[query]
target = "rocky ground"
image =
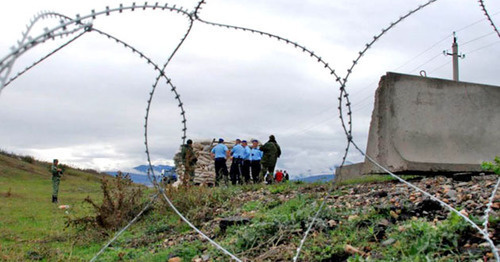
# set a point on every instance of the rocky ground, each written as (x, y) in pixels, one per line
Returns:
(375, 221)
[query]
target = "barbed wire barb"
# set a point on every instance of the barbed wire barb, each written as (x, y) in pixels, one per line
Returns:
(488, 206)
(483, 7)
(68, 26)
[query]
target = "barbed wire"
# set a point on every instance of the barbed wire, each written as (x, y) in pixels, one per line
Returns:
(488, 206)
(356, 104)
(324, 63)
(193, 16)
(7, 61)
(6, 71)
(149, 61)
(483, 7)
(344, 94)
(44, 57)
(153, 178)
(6, 67)
(481, 231)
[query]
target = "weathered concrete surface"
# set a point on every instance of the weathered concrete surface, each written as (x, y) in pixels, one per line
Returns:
(349, 172)
(433, 125)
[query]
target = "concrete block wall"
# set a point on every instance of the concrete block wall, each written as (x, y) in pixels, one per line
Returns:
(422, 124)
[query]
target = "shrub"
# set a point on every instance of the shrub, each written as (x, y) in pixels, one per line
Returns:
(492, 166)
(121, 203)
(28, 159)
(198, 203)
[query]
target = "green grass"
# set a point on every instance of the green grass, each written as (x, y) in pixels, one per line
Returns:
(31, 227)
(29, 223)
(367, 179)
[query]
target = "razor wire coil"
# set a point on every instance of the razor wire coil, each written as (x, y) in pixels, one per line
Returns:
(7, 62)
(485, 11)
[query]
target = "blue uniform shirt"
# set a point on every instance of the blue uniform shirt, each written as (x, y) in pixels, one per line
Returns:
(237, 151)
(255, 154)
(220, 151)
(246, 153)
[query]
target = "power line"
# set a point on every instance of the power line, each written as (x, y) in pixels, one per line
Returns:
(423, 52)
(439, 67)
(483, 47)
(426, 62)
(476, 22)
(477, 38)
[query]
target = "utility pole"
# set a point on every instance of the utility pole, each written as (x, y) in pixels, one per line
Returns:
(455, 55)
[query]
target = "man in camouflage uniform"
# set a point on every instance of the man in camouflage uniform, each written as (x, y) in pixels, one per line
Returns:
(271, 151)
(189, 160)
(56, 179)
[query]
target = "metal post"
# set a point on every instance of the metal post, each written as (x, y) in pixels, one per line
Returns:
(454, 50)
(455, 56)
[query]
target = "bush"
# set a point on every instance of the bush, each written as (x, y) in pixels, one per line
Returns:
(492, 166)
(121, 203)
(198, 203)
(28, 159)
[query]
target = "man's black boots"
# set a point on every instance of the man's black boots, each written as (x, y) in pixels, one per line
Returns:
(54, 199)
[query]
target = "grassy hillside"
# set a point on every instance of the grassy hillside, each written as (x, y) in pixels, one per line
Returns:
(374, 219)
(31, 227)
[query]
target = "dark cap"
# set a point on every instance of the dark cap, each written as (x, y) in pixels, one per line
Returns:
(272, 137)
(243, 141)
(255, 140)
(55, 160)
(189, 142)
(237, 139)
(221, 140)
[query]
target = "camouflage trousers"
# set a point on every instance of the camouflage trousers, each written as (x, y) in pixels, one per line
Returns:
(269, 170)
(55, 185)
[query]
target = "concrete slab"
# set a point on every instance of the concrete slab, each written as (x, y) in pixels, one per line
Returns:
(424, 124)
(348, 172)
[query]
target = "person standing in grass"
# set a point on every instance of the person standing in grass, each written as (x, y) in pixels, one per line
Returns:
(246, 162)
(237, 155)
(279, 176)
(189, 160)
(271, 151)
(219, 153)
(255, 157)
(56, 179)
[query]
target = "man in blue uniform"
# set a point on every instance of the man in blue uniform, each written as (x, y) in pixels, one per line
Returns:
(237, 154)
(255, 157)
(220, 152)
(245, 168)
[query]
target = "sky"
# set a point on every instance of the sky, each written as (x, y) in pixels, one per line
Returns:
(86, 104)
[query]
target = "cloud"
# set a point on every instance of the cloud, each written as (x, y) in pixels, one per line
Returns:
(86, 104)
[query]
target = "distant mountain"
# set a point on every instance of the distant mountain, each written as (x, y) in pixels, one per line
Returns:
(141, 176)
(156, 168)
(136, 178)
(314, 179)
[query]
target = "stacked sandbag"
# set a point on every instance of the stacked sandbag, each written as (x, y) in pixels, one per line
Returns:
(205, 169)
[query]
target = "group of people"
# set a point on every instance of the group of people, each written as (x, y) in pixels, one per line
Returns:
(281, 176)
(249, 163)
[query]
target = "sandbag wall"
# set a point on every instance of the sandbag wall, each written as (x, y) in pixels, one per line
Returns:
(205, 169)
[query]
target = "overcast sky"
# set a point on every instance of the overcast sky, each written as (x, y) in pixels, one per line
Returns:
(86, 104)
